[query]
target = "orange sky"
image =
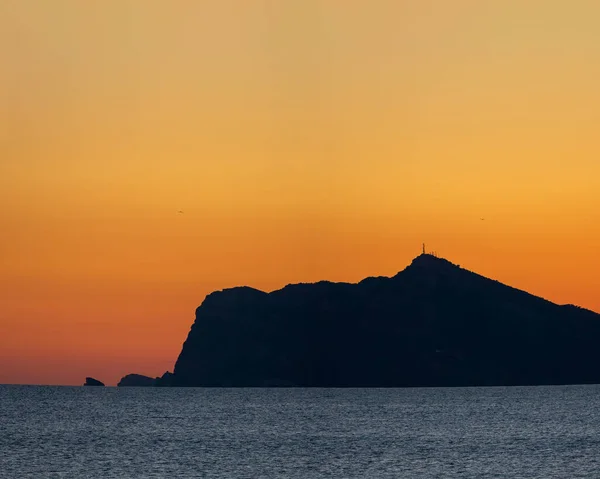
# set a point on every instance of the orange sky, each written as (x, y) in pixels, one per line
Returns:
(303, 141)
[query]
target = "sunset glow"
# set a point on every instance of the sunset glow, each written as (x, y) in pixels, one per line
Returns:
(152, 152)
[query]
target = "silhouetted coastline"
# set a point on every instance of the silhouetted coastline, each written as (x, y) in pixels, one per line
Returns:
(433, 324)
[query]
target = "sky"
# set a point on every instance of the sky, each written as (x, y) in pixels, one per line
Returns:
(302, 140)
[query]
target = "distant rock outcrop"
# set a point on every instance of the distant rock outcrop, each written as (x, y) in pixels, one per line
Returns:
(93, 382)
(165, 380)
(433, 324)
(136, 380)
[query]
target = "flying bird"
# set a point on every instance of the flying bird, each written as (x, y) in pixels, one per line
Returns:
(180, 212)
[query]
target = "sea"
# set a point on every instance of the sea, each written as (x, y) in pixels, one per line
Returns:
(501, 432)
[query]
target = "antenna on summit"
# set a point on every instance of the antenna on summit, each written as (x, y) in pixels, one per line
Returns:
(423, 248)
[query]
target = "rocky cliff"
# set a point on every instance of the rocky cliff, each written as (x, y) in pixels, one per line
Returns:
(433, 324)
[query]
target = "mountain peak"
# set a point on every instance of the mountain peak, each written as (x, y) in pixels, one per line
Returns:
(433, 324)
(431, 263)
(428, 258)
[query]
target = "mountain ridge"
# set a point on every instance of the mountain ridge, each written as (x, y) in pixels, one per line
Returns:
(433, 323)
(382, 277)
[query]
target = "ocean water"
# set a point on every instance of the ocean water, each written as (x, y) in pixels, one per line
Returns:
(520, 432)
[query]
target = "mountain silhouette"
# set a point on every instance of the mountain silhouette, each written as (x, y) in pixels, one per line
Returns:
(433, 324)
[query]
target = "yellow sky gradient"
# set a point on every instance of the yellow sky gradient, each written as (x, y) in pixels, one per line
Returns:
(303, 140)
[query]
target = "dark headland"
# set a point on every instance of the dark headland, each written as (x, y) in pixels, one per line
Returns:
(433, 324)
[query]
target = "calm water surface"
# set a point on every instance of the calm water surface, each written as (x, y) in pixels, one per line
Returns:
(538, 432)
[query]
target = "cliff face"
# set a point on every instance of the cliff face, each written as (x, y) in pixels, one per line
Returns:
(433, 324)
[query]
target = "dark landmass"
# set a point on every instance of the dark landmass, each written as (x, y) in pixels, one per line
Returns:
(93, 382)
(165, 380)
(433, 324)
(136, 380)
